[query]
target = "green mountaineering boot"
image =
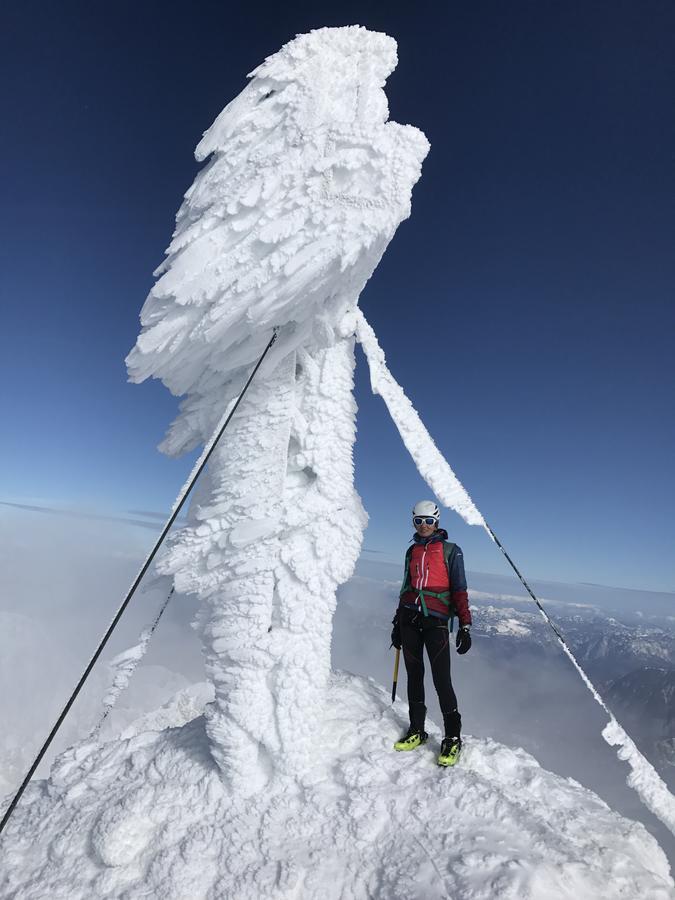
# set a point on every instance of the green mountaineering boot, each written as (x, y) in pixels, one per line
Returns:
(450, 750)
(411, 740)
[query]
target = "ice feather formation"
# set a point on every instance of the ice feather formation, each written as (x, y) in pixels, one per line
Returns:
(305, 186)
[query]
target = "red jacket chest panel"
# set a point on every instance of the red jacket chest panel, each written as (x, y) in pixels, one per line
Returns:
(428, 568)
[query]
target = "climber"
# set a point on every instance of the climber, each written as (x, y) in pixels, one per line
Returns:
(433, 590)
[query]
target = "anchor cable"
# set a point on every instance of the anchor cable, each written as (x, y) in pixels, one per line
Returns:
(180, 501)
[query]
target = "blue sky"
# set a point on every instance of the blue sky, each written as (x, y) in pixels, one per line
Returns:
(526, 306)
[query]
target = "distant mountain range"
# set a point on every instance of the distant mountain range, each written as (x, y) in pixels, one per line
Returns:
(645, 700)
(606, 647)
(624, 639)
(632, 664)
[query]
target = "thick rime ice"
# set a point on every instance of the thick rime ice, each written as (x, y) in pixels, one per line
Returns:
(149, 816)
(643, 778)
(280, 528)
(431, 464)
(306, 185)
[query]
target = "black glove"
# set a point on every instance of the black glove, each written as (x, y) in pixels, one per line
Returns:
(463, 641)
(396, 632)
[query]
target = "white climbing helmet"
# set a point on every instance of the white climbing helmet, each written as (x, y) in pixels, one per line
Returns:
(426, 508)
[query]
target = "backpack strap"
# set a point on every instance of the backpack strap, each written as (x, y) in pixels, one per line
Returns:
(406, 586)
(406, 574)
(448, 552)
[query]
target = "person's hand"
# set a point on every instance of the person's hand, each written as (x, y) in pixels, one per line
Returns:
(463, 641)
(396, 632)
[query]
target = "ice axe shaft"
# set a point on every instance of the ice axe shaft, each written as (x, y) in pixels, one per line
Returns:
(393, 687)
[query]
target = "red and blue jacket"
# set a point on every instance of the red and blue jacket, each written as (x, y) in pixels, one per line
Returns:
(427, 575)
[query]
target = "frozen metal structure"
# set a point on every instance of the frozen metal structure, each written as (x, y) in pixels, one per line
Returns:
(305, 185)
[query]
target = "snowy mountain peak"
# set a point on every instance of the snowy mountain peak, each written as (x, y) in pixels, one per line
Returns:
(150, 815)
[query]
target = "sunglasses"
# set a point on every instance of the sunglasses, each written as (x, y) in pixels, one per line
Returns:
(427, 520)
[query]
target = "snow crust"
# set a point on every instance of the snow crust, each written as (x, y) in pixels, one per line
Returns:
(150, 816)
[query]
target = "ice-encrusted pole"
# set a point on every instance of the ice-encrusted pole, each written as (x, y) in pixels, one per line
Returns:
(435, 470)
(306, 184)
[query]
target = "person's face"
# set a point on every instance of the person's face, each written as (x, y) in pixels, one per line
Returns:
(424, 529)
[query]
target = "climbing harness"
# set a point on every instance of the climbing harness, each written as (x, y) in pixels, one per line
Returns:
(443, 596)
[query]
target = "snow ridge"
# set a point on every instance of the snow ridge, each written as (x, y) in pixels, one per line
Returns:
(365, 822)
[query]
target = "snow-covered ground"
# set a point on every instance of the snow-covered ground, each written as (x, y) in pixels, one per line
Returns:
(500, 788)
(498, 825)
(149, 815)
(514, 688)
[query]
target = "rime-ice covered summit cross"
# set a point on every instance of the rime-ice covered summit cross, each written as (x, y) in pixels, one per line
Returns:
(305, 185)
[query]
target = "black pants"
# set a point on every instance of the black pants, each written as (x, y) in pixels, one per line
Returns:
(419, 631)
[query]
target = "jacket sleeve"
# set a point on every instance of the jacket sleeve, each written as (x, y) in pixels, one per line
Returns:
(459, 593)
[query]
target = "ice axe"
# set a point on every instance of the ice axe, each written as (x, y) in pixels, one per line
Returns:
(393, 687)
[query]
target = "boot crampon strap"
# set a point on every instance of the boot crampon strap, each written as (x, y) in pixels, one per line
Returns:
(411, 740)
(450, 750)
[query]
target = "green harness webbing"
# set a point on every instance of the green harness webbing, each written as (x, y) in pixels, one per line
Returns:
(448, 551)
